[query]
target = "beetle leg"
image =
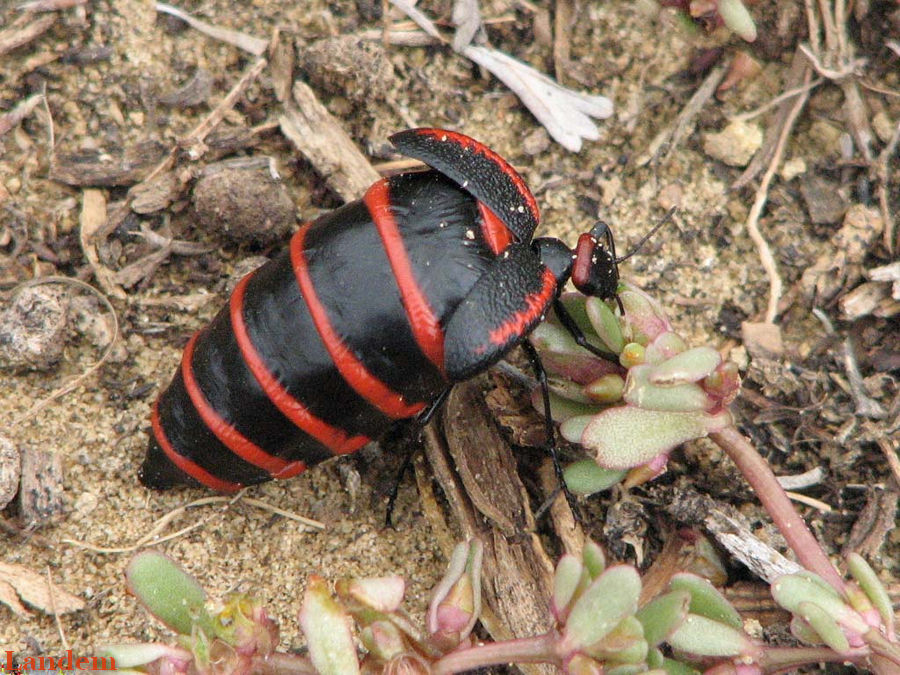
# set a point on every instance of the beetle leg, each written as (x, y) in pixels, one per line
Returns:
(420, 422)
(549, 429)
(578, 335)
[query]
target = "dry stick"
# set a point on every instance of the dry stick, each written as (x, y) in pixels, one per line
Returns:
(880, 169)
(674, 133)
(18, 35)
(309, 522)
(762, 193)
(759, 474)
(19, 113)
(211, 121)
(817, 504)
(784, 96)
(151, 539)
(69, 386)
(889, 450)
(249, 43)
(52, 597)
(157, 526)
(793, 80)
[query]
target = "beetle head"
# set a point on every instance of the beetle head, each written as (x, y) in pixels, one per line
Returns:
(595, 271)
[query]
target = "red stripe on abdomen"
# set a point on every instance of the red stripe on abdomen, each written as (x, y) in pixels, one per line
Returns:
(354, 372)
(230, 437)
(336, 440)
(422, 321)
(189, 467)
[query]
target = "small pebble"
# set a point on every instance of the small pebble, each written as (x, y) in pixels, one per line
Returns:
(735, 145)
(33, 329)
(10, 470)
(243, 202)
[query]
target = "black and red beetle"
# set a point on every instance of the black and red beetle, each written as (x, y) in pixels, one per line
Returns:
(368, 317)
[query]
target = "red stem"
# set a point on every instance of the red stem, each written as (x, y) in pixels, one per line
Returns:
(758, 473)
(538, 649)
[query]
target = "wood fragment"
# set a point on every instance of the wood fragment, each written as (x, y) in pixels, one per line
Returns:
(563, 20)
(876, 521)
(517, 573)
(10, 598)
(866, 406)
(497, 496)
(863, 300)
(41, 492)
(753, 600)
(567, 528)
(50, 5)
(143, 268)
(249, 43)
(321, 139)
(33, 589)
(399, 38)
(157, 194)
(21, 31)
(281, 57)
(740, 542)
(10, 470)
(93, 218)
(105, 168)
(19, 113)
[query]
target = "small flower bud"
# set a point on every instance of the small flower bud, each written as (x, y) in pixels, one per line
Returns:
(457, 598)
(632, 355)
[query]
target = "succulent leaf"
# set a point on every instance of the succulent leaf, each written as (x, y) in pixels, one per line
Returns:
(705, 637)
(608, 600)
(586, 477)
(627, 436)
(706, 600)
(662, 615)
(327, 629)
(168, 592)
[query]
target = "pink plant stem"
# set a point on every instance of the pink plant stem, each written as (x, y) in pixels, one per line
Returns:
(280, 663)
(783, 658)
(538, 649)
(758, 473)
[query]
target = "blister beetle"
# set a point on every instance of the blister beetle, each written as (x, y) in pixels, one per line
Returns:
(371, 313)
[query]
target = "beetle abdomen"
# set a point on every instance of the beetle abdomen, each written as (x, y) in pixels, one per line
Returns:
(325, 346)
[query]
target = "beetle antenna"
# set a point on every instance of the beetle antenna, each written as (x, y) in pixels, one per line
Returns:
(637, 247)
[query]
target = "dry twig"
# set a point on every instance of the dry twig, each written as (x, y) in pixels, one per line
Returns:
(768, 260)
(19, 113)
(323, 141)
(248, 43)
(21, 32)
(672, 135)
